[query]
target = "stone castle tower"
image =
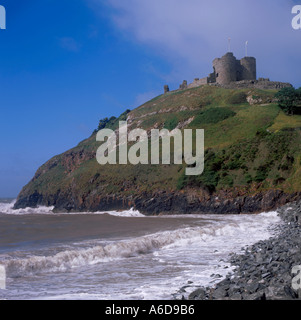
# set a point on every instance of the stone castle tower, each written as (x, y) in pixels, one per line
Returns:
(228, 69)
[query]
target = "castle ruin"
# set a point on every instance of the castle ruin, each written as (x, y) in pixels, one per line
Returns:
(228, 72)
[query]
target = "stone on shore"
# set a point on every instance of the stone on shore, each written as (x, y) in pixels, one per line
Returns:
(264, 270)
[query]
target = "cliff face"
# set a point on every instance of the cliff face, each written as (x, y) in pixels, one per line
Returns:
(252, 160)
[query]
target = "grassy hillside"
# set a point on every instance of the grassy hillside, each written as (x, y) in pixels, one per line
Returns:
(248, 147)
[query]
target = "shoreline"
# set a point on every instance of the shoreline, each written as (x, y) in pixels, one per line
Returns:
(264, 270)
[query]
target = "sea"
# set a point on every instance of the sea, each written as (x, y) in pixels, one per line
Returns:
(119, 255)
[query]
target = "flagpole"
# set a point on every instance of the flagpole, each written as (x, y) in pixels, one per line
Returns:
(229, 44)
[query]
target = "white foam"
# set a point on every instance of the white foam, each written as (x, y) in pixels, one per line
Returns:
(148, 267)
(127, 213)
(8, 208)
(178, 244)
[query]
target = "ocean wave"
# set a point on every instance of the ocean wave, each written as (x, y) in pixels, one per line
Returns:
(8, 208)
(126, 213)
(73, 258)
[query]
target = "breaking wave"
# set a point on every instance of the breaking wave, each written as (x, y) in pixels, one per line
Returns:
(73, 258)
(8, 208)
(126, 213)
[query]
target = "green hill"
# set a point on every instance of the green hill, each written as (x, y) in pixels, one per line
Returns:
(252, 160)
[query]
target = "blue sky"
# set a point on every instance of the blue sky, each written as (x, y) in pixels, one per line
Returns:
(64, 64)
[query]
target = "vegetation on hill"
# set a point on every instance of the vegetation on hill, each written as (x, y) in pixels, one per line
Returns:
(249, 147)
(289, 100)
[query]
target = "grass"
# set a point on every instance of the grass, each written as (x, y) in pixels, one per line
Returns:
(245, 124)
(212, 116)
(284, 121)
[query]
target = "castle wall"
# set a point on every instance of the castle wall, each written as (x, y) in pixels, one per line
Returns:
(198, 82)
(211, 78)
(264, 84)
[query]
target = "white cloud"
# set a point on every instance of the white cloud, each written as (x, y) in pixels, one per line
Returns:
(191, 33)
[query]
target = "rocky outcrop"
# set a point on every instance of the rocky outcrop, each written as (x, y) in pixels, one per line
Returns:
(190, 202)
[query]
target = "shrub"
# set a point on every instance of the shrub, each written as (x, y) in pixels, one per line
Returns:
(234, 164)
(289, 99)
(182, 181)
(124, 115)
(171, 123)
(237, 98)
(212, 115)
(111, 123)
(227, 181)
(209, 180)
(261, 174)
(248, 179)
